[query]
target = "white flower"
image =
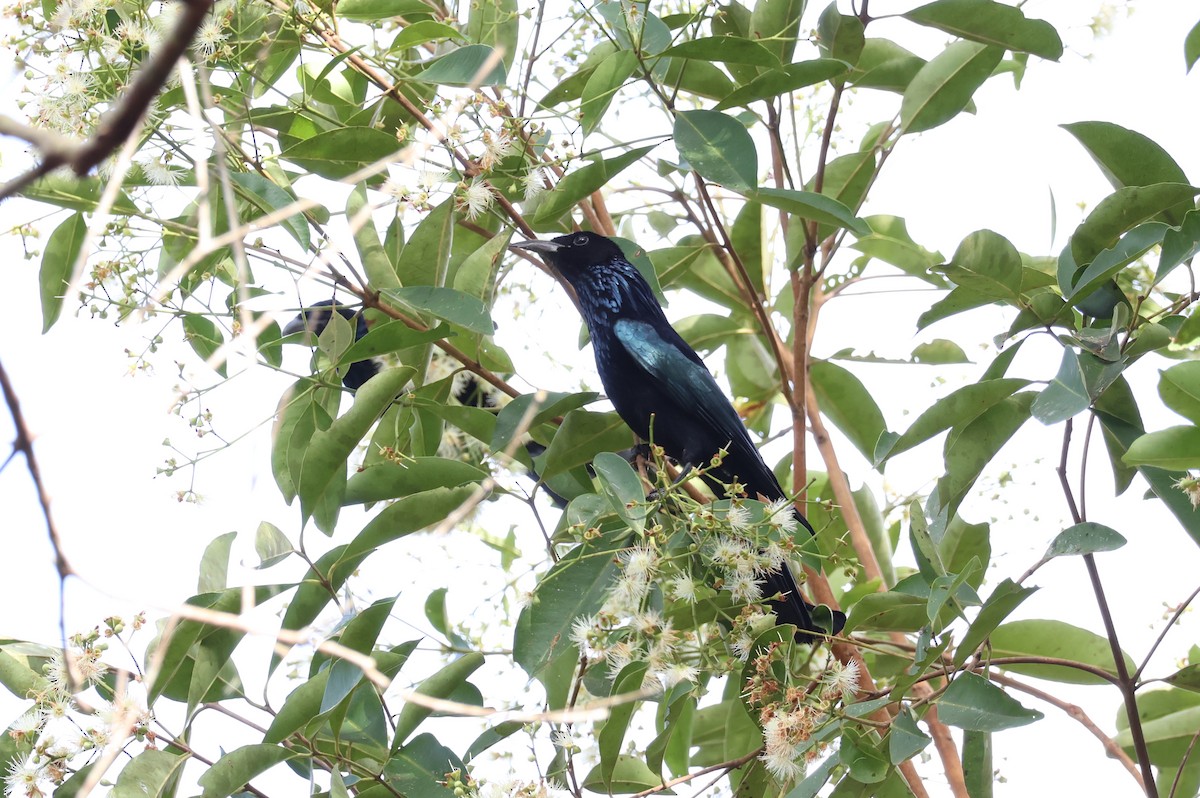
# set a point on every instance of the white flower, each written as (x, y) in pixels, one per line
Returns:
(431, 179)
(648, 622)
(561, 738)
(534, 182)
(782, 735)
(625, 596)
(742, 645)
(781, 513)
(771, 558)
(679, 672)
(840, 680)
(24, 778)
(683, 588)
(210, 37)
(640, 562)
(587, 636)
(619, 656)
(56, 673)
(475, 198)
(728, 552)
(738, 517)
(744, 587)
(160, 173)
(26, 726)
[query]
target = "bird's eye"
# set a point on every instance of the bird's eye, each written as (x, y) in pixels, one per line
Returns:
(580, 241)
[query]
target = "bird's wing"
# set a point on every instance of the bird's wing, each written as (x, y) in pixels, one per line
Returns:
(685, 379)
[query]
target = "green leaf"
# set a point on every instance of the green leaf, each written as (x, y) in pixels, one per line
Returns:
(840, 36)
(465, 67)
(906, 739)
(622, 487)
(885, 65)
(62, 248)
(726, 49)
(973, 703)
(391, 480)
(233, 770)
(340, 152)
(75, 193)
(267, 197)
(602, 87)
(582, 182)
(1187, 678)
(775, 23)
(1085, 538)
(718, 147)
(369, 10)
(378, 267)
(1173, 449)
(974, 446)
(1106, 264)
(848, 404)
(1179, 245)
(1045, 638)
(575, 586)
(888, 612)
(581, 437)
(978, 773)
(985, 262)
(811, 206)
(1191, 47)
(204, 336)
(446, 304)
(944, 86)
(1179, 387)
(391, 336)
(150, 774)
(939, 352)
(442, 684)
(426, 256)
(495, 23)
(889, 241)
(612, 734)
(863, 757)
(629, 775)
(1080, 380)
(991, 23)
(1122, 210)
(1003, 600)
(784, 80)
(214, 565)
(323, 467)
(419, 769)
(1126, 157)
(427, 30)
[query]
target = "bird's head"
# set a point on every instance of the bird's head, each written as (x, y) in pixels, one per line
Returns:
(574, 252)
(315, 318)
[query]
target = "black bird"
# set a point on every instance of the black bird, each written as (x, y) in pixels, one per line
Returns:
(650, 372)
(315, 319)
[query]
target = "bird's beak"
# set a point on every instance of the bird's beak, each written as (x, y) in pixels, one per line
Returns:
(545, 247)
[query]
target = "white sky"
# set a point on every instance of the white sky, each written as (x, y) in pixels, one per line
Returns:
(99, 430)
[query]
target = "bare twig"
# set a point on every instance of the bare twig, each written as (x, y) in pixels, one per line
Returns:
(1076, 712)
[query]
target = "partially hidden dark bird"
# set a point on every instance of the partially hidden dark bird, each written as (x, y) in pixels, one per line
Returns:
(655, 379)
(315, 318)
(469, 391)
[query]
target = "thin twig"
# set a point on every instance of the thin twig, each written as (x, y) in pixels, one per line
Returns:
(1174, 618)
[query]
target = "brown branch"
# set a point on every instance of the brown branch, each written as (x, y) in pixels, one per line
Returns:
(1125, 683)
(24, 444)
(731, 765)
(1076, 712)
(1174, 618)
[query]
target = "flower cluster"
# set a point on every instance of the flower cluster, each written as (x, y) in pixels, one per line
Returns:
(55, 731)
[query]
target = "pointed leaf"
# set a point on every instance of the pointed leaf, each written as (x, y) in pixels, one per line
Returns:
(972, 702)
(991, 23)
(62, 249)
(945, 85)
(718, 147)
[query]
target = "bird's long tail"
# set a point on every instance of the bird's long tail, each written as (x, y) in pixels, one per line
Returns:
(759, 480)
